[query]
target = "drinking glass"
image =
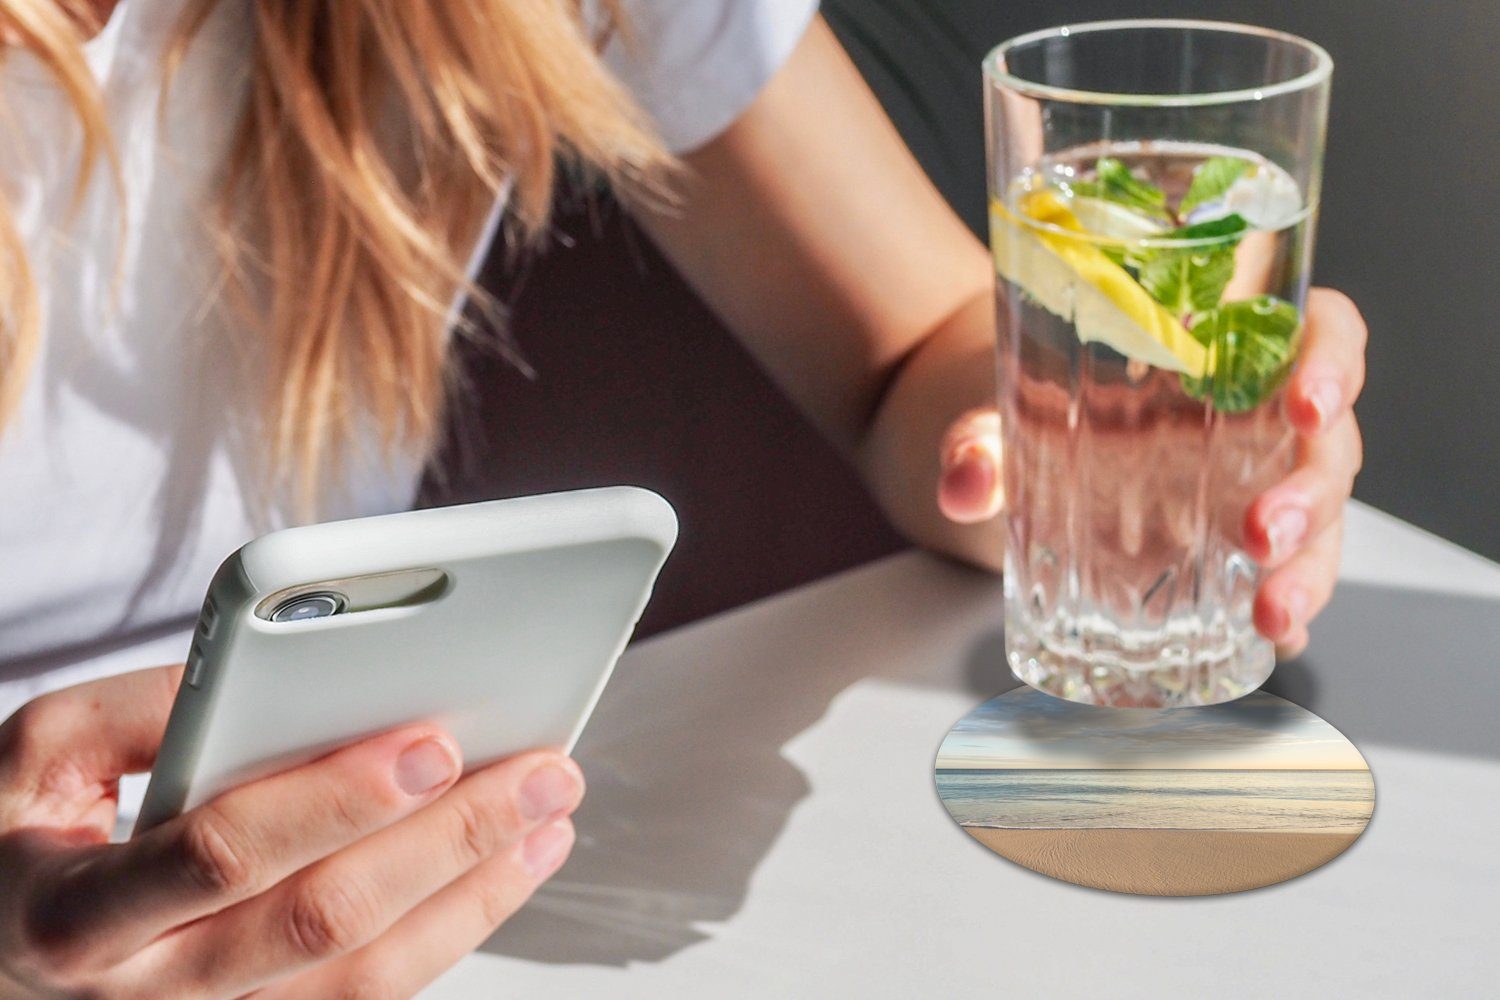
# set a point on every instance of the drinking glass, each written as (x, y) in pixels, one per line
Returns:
(1153, 189)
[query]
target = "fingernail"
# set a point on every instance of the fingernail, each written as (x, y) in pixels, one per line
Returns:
(1297, 603)
(424, 765)
(549, 790)
(972, 472)
(970, 453)
(1325, 396)
(545, 850)
(972, 478)
(1286, 530)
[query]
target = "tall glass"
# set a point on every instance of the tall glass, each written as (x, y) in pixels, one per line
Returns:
(1153, 187)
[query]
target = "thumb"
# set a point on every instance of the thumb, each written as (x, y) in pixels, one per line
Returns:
(970, 487)
(103, 728)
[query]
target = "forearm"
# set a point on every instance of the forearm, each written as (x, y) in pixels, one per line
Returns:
(815, 235)
(949, 373)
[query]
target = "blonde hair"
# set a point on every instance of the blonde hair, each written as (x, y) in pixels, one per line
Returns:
(344, 256)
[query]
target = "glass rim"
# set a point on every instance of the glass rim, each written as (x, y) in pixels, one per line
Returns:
(1321, 70)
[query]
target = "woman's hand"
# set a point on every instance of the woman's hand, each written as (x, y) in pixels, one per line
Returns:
(1295, 529)
(375, 865)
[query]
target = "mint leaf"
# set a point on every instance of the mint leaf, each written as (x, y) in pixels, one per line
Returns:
(1192, 279)
(1211, 180)
(1184, 286)
(1215, 229)
(1114, 182)
(1119, 255)
(1250, 349)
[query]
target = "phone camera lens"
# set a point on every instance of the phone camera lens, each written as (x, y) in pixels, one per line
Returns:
(305, 606)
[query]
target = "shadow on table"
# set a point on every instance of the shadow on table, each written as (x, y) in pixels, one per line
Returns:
(1403, 667)
(688, 785)
(1389, 665)
(689, 788)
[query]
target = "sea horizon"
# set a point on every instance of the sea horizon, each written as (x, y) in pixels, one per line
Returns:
(1331, 831)
(1302, 800)
(941, 769)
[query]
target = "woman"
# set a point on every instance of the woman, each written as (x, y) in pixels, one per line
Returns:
(233, 238)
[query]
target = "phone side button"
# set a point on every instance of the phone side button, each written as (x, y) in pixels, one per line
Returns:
(194, 673)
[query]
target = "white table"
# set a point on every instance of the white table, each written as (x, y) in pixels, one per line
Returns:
(761, 820)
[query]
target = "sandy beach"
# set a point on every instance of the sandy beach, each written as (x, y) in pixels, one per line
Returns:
(1165, 862)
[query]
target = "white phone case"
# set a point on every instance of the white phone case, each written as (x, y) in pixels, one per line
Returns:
(538, 597)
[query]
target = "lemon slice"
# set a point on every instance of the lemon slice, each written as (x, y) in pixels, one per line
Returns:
(1075, 280)
(1105, 218)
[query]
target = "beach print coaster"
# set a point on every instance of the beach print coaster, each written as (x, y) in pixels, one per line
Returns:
(1162, 802)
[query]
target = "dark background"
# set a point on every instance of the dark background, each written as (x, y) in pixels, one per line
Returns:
(636, 381)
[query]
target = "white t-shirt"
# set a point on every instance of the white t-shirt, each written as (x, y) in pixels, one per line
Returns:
(123, 478)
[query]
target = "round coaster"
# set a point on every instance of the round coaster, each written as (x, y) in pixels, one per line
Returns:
(1162, 802)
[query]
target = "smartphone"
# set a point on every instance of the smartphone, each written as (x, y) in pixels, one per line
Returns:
(500, 621)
